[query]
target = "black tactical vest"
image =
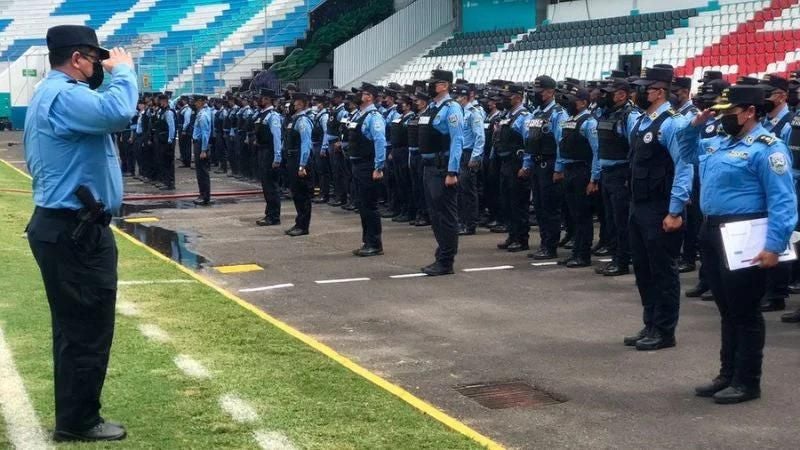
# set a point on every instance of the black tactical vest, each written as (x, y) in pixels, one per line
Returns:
(227, 122)
(343, 124)
(430, 139)
(291, 136)
(613, 145)
(399, 132)
(794, 141)
(652, 168)
(160, 126)
(508, 140)
(358, 145)
(541, 140)
(264, 136)
(574, 145)
(316, 132)
(333, 123)
(778, 127)
(413, 132)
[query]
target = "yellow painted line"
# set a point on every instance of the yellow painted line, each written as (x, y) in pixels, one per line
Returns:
(141, 219)
(238, 268)
(16, 191)
(388, 386)
(21, 172)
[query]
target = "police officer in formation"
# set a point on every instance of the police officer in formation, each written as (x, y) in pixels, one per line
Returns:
(268, 133)
(201, 138)
(299, 162)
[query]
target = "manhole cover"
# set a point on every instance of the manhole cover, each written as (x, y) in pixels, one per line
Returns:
(507, 394)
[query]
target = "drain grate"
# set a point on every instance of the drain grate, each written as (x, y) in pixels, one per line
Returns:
(507, 394)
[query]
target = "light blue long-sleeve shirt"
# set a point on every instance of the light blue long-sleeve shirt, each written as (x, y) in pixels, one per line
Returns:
(202, 128)
(140, 123)
(622, 130)
(303, 124)
(770, 124)
(589, 131)
(322, 118)
(744, 176)
(449, 120)
(474, 134)
(374, 129)
(273, 121)
(186, 112)
(339, 112)
(668, 136)
(68, 140)
(170, 117)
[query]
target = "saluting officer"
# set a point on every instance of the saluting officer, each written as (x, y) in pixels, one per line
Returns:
(440, 143)
(68, 145)
(660, 187)
(268, 129)
(367, 152)
(746, 175)
(297, 146)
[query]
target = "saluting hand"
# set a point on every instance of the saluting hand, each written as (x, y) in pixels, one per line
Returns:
(117, 55)
(703, 117)
(766, 259)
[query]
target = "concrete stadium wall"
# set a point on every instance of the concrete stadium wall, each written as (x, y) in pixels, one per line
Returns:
(21, 85)
(599, 9)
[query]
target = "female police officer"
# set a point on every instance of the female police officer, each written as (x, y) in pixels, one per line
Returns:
(744, 175)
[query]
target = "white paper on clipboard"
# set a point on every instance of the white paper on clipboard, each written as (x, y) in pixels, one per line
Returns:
(744, 240)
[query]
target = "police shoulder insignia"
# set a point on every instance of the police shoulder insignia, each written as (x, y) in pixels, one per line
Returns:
(777, 162)
(673, 113)
(453, 119)
(378, 124)
(765, 139)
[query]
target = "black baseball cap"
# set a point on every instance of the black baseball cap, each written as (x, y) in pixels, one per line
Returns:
(655, 75)
(682, 83)
(740, 95)
(369, 88)
(62, 36)
(543, 82)
(441, 76)
(776, 81)
(617, 85)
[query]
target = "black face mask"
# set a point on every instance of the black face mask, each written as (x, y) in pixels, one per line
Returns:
(96, 80)
(385, 104)
(769, 106)
(432, 90)
(641, 98)
(730, 124)
(507, 104)
(793, 99)
(537, 99)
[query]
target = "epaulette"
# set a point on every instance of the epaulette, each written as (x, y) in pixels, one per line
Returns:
(766, 139)
(674, 113)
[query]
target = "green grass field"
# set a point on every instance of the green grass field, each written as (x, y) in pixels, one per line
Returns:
(297, 391)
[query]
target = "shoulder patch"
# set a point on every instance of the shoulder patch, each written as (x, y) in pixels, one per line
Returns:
(778, 164)
(452, 119)
(766, 139)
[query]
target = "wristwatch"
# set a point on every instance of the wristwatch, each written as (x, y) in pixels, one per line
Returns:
(452, 174)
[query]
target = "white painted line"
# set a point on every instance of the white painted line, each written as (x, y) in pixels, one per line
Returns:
(605, 260)
(16, 162)
(546, 263)
(146, 282)
(22, 425)
(240, 410)
(266, 288)
(273, 440)
(128, 309)
(409, 275)
(482, 269)
(342, 280)
(191, 367)
(154, 333)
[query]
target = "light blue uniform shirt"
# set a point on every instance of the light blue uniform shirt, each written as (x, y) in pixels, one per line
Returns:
(449, 121)
(322, 118)
(170, 115)
(668, 136)
(304, 126)
(186, 112)
(202, 128)
(744, 176)
(474, 134)
(68, 140)
(622, 130)
(783, 133)
(140, 122)
(374, 129)
(557, 116)
(687, 111)
(589, 131)
(273, 120)
(233, 113)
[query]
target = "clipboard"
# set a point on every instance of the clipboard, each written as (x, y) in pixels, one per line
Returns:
(744, 240)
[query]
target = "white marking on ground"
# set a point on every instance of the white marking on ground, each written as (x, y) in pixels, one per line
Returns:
(128, 309)
(605, 260)
(191, 367)
(145, 282)
(154, 332)
(16, 162)
(273, 440)
(547, 263)
(341, 280)
(22, 425)
(409, 275)
(266, 288)
(482, 269)
(240, 410)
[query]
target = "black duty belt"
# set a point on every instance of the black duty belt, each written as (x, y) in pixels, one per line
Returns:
(69, 215)
(716, 221)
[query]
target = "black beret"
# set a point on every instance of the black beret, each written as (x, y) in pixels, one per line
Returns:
(740, 95)
(62, 36)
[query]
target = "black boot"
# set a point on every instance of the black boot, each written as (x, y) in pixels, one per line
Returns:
(736, 394)
(709, 389)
